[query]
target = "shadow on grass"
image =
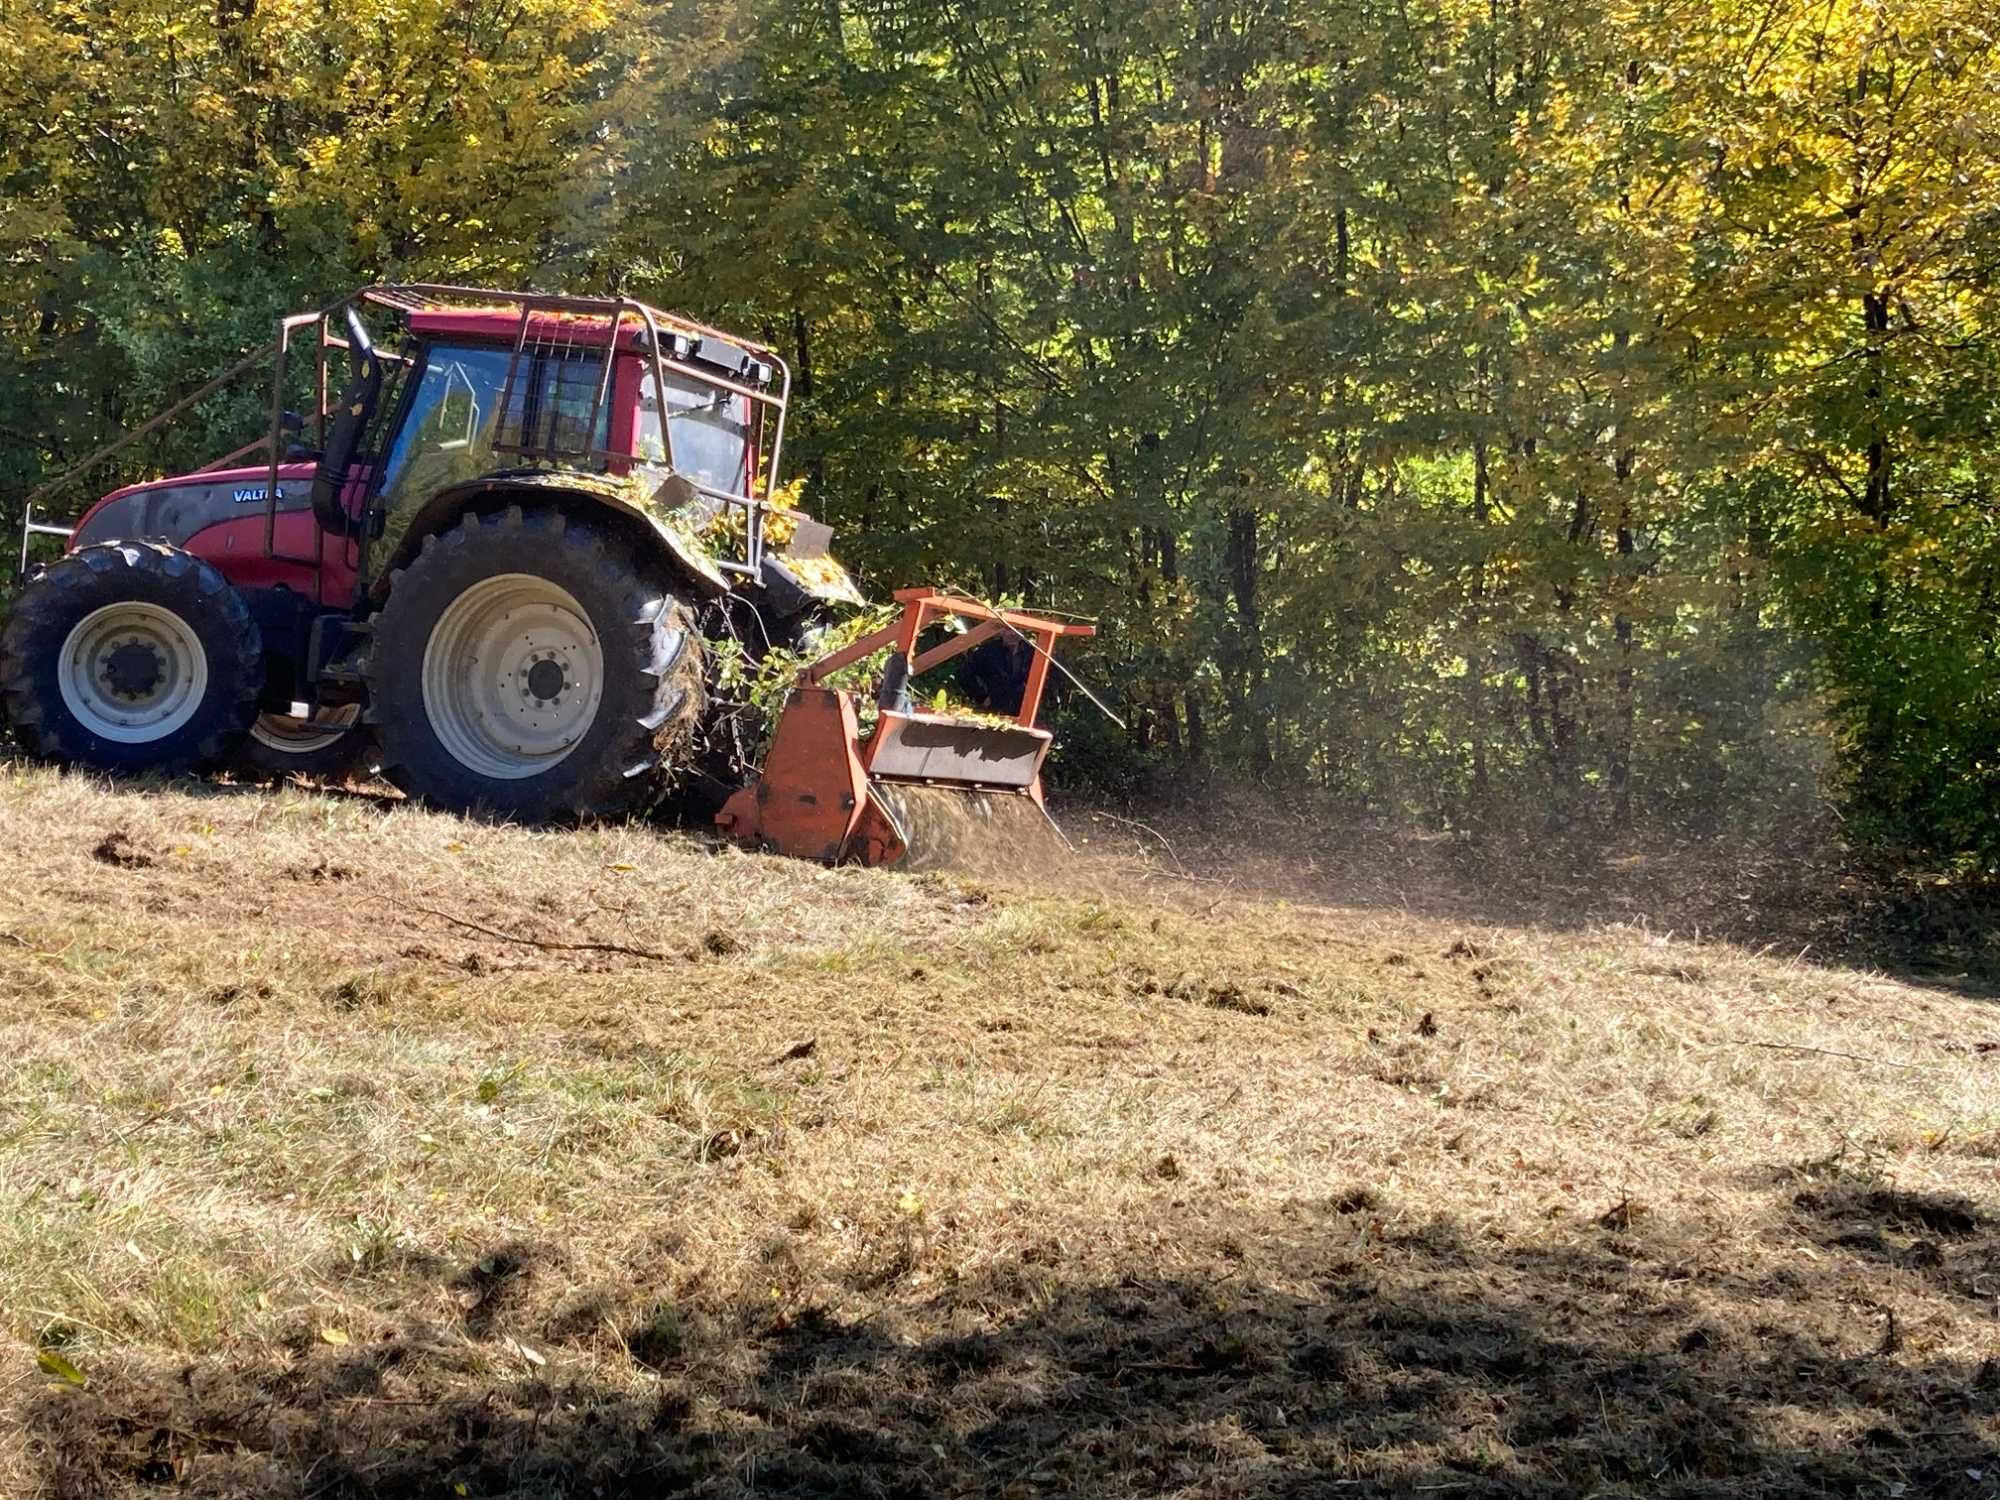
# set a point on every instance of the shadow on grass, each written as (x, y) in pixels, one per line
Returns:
(1323, 1352)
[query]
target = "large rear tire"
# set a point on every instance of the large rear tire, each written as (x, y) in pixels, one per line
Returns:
(129, 657)
(528, 665)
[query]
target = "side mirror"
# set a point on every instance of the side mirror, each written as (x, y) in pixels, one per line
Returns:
(350, 421)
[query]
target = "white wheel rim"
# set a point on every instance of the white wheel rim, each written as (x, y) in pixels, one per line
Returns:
(288, 734)
(132, 672)
(513, 675)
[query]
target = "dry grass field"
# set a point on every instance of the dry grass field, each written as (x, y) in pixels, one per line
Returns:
(351, 1150)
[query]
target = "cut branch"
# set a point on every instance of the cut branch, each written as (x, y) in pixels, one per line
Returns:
(547, 944)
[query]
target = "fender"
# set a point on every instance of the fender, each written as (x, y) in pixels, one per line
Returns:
(655, 511)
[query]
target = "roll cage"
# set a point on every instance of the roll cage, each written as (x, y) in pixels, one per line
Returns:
(536, 326)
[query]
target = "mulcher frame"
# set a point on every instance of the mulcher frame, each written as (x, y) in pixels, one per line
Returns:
(816, 795)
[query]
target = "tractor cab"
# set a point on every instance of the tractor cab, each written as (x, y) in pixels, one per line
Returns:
(470, 397)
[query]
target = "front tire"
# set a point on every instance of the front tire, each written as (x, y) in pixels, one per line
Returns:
(528, 665)
(129, 657)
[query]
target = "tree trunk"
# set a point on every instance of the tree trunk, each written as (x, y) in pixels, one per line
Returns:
(1624, 712)
(1240, 558)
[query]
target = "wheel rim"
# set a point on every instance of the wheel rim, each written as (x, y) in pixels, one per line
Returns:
(132, 672)
(513, 675)
(288, 734)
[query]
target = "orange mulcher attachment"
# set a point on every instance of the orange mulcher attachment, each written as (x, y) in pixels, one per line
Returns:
(829, 793)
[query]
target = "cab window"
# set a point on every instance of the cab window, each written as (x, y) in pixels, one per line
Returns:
(709, 429)
(453, 428)
(451, 414)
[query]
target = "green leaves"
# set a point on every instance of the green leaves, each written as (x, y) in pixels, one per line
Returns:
(1445, 408)
(50, 1362)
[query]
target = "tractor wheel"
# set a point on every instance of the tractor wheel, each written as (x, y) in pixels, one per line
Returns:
(330, 745)
(528, 665)
(128, 657)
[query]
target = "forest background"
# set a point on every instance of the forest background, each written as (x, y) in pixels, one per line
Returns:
(1541, 413)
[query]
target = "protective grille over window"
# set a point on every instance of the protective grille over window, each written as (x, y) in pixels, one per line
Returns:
(548, 409)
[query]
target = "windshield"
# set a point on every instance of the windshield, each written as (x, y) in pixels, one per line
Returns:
(449, 433)
(451, 414)
(710, 430)
(457, 400)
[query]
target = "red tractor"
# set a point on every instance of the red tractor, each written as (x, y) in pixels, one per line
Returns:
(488, 563)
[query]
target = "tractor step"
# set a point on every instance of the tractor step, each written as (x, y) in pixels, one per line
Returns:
(336, 662)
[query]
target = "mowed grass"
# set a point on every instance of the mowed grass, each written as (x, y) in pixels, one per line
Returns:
(348, 1149)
